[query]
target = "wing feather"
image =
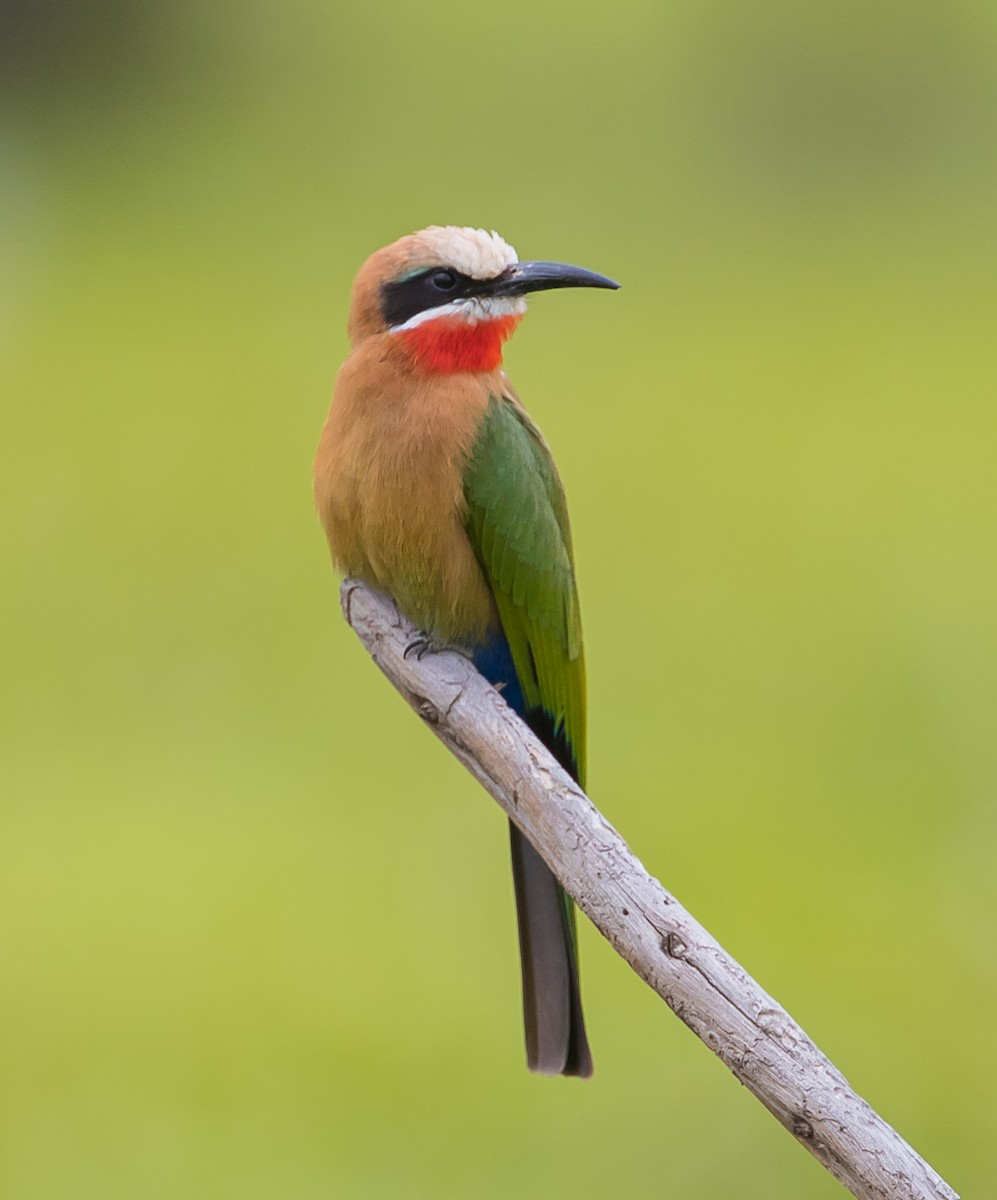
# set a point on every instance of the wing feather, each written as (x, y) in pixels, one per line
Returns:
(517, 522)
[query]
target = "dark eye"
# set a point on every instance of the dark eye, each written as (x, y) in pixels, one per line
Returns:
(443, 281)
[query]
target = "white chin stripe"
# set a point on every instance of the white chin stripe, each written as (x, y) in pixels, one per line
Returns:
(473, 310)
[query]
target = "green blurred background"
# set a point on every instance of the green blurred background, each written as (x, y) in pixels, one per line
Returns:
(257, 934)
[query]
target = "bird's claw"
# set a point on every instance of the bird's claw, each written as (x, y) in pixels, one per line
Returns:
(420, 646)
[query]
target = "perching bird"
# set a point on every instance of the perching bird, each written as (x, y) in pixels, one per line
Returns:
(435, 487)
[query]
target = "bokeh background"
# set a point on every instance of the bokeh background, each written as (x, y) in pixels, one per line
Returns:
(256, 928)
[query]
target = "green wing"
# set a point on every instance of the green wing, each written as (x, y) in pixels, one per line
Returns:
(517, 521)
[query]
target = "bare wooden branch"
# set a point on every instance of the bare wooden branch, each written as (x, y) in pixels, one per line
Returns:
(751, 1034)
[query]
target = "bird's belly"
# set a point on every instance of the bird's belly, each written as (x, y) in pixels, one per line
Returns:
(411, 544)
(429, 569)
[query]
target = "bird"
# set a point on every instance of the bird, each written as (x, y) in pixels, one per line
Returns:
(436, 488)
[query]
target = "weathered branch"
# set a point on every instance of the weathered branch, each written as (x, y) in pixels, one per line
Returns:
(752, 1034)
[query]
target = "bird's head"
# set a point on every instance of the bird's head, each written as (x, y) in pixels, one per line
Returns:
(451, 296)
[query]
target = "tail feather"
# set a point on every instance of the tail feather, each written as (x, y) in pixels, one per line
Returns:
(552, 1011)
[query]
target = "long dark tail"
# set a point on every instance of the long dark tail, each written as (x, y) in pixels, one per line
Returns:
(552, 1010)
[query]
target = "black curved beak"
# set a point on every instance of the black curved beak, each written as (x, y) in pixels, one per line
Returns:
(524, 277)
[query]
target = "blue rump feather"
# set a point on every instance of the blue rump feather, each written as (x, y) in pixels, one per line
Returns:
(494, 660)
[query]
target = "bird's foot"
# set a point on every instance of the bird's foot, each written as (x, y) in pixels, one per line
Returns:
(422, 644)
(418, 646)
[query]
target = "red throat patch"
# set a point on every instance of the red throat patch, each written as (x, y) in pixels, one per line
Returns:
(450, 344)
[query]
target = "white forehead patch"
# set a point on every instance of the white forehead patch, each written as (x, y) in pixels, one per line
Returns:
(472, 252)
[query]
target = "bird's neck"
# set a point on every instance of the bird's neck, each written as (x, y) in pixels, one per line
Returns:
(450, 344)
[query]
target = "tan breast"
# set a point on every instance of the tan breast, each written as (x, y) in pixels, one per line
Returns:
(389, 487)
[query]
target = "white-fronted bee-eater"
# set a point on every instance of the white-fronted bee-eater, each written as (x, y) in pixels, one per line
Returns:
(435, 487)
